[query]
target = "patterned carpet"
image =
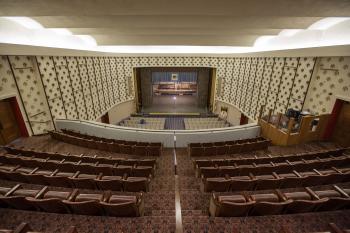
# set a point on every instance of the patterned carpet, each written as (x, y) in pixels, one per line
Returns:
(160, 201)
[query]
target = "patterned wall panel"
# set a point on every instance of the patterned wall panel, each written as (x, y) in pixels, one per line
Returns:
(64, 81)
(331, 79)
(301, 83)
(93, 86)
(51, 85)
(100, 89)
(32, 92)
(254, 107)
(86, 88)
(78, 95)
(7, 83)
(250, 85)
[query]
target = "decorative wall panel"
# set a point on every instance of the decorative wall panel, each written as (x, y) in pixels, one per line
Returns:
(32, 93)
(86, 87)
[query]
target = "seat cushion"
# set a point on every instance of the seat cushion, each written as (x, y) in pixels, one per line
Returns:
(122, 199)
(298, 196)
(268, 197)
(56, 194)
(328, 193)
(25, 193)
(232, 198)
(88, 197)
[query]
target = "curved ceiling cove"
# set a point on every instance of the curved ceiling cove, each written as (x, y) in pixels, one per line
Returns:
(174, 27)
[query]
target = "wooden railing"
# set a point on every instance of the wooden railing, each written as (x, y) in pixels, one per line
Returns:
(287, 131)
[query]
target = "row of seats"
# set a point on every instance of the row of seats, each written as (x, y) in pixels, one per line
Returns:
(228, 149)
(137, 149)
(83, 158)
(70, 166)
(124, 142)
(267, 168)
(266, 158)
(274, 180)
(223, 143)
(144, 123)
(204, 123)
(25, 228)
(278, 202)
(72, 202)
(73, 179)
(332, 228)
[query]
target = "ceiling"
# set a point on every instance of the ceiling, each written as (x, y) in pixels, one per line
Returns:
(176, 22)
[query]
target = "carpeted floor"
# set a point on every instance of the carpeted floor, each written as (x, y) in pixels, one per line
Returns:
(160, 201)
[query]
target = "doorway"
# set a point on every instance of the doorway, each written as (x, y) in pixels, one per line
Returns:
(11, 122)
(341, 131)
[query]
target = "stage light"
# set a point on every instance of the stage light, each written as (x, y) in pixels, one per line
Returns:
(174, 98)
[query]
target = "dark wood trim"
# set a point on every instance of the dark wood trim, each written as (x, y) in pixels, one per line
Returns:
(46, 97)
(71, 86)
(20, 95)
(59, 86)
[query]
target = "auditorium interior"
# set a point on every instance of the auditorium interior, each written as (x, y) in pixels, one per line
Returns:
(161, 116)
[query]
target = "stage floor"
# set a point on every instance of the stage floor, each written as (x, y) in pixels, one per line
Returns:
(166, 104)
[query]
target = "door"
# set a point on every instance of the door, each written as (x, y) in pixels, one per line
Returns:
(9, 130)
(341, 131)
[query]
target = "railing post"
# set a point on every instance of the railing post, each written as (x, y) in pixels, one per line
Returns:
(290, 125)
(279, 117)
(269, 116)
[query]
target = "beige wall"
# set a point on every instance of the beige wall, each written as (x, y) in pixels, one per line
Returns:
(121, 111)
(233, 114)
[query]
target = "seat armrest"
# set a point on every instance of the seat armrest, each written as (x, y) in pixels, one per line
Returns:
(41, 193)
(73, 195)
(312, 193)
(12, 190)
(341, 191)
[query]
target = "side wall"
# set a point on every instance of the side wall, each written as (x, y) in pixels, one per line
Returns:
(58, 87)
(121, 111)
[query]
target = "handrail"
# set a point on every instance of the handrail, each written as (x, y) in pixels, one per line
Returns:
(161, 130)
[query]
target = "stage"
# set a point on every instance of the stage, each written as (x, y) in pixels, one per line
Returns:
(182, 105)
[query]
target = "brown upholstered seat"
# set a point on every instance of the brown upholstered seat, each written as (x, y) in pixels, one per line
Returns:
(303, 206)
(136, 184)
(89, 207)
(114, 183)
(269, 208)
(216, 184)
